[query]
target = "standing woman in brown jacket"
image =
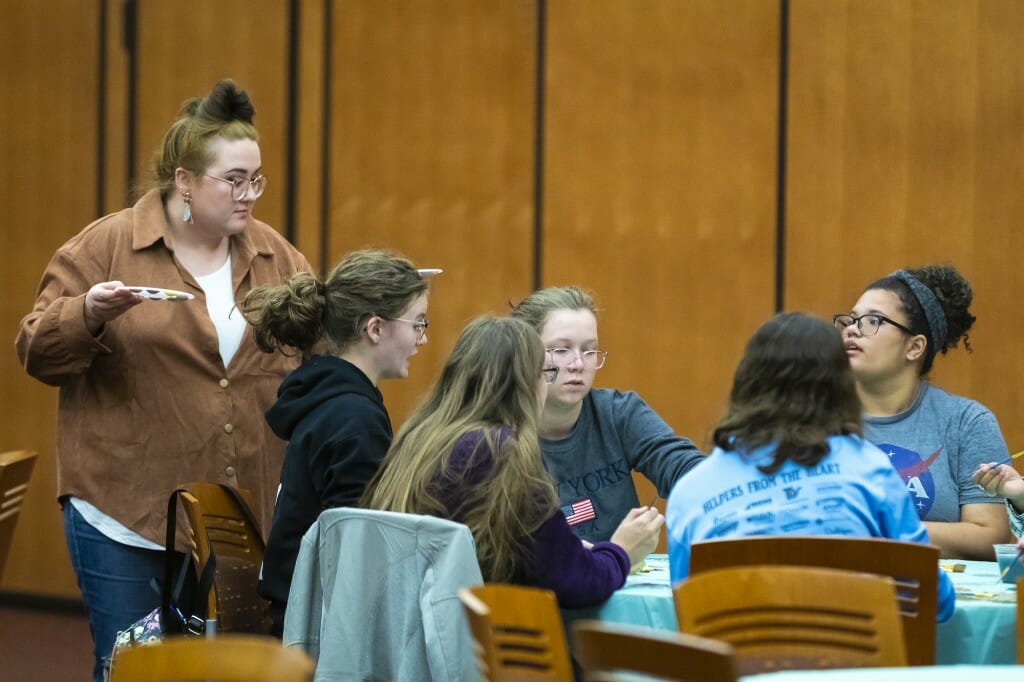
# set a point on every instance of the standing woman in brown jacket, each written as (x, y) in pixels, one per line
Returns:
(154, 393)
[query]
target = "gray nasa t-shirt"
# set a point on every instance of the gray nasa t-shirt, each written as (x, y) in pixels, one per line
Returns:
(936, 446)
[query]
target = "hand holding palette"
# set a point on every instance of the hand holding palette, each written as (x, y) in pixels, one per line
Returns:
(158, 294)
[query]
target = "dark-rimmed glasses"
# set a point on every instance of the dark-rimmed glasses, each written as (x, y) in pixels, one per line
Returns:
(591, 359)
(550, 373)
(419, 325)
(867, 324)
(239, 186)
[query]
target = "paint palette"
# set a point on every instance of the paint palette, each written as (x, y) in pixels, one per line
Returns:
(159, 294)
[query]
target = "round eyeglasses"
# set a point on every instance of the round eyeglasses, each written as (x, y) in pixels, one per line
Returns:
(239, 186)
(591, 359)
(419, 325)
(550, 373)
(867, 325)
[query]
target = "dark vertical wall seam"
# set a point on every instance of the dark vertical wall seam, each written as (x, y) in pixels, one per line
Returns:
(325, 161)
(101, 109)
(538, 147)
(131, 20)
(780, 176)
(291, 122)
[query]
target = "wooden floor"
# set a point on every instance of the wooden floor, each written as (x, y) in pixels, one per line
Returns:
(44, 645)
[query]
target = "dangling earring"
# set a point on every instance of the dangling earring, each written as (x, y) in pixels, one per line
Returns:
(187, 216)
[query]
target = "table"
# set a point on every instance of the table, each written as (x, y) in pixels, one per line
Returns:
(981, 630)
(941, 673)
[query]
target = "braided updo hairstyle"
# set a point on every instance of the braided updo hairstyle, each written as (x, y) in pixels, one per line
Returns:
(303, 311)
(954, 296)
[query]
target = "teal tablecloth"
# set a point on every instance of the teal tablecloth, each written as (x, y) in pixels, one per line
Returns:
(981, 631)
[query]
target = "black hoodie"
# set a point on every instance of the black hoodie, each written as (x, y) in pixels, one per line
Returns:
(338, 432)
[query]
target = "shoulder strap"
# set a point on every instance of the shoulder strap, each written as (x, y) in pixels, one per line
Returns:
(172, 620)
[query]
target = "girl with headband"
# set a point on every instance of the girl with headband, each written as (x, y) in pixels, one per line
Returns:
(935, 440)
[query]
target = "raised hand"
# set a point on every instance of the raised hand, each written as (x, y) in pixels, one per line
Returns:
(638, 532)
(1001, 480)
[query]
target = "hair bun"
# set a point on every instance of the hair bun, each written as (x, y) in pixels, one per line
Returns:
(227, 103)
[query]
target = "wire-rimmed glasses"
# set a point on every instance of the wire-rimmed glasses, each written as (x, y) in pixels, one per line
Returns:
(550, 373)
(239, 186)
(419, 325)
(867, 324)
(591, 359)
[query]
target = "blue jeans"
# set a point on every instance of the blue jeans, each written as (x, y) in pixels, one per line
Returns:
(114, 580)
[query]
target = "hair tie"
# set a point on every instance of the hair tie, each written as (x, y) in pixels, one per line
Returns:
(933, 312)
(321, 288)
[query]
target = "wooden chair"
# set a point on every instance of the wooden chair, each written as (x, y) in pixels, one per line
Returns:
(1020, 621)
(225, 658)
(518, 633)
(224, 524)
(794, 617)
(15, 470)
(912, 566)
(603, 650)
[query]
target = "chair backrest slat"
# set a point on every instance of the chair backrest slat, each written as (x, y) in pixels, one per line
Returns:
(913, 568)
(1020, 621)
(518, 632)
(604, 650)
(792, 617)
(225, 658)
(218, 522)
(15, 470)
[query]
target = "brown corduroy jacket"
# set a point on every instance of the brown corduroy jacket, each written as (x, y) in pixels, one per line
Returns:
(148, 404)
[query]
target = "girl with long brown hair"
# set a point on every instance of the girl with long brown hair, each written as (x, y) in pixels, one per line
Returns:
(470, 453)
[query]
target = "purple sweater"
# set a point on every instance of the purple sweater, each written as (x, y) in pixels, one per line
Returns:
(556, 559)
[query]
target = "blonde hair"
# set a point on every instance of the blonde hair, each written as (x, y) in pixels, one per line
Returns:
(303, 310)
(488, 386)
(535, 308)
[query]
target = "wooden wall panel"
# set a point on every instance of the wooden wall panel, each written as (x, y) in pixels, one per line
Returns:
(906, 147)
(48, 187)
(659, 188)
(116, 96)
(309, 130)
(431, 144)
(184, 47)
(416, 131)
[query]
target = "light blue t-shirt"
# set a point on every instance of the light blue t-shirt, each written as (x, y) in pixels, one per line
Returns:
(853, 491)
(937, 445)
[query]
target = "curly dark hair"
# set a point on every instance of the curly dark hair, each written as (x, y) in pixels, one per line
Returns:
(954, 295)
(794, 388)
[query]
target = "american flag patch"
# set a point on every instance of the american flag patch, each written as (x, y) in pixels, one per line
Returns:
(578, 512)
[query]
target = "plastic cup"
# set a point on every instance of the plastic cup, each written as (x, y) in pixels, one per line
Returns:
(1006, 556)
